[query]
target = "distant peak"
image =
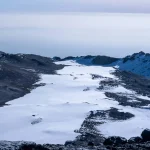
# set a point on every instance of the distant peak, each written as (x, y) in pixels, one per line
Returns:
(133, 56)
(138, 54)
(141, 53)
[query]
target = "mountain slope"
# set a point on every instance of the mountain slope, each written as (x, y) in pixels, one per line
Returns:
(138, 63)
(20, 72)
(90, 60)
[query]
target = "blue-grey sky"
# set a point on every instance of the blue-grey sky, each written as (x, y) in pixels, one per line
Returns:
(75, 27)
(132, 6)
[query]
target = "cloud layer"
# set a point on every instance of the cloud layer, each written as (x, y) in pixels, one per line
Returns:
(75, 34)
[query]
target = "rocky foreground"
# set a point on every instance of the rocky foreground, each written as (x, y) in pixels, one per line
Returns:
(111, 143)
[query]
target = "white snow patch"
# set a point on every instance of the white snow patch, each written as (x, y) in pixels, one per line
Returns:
(60, 108)
(129, 128)
(57, 109)
(121, 89)
(143, 97)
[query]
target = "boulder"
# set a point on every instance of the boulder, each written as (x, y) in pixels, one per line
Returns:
(115, 140)
(90, 144)
(33, 147)
(135, 140)
(67, 143)
(146, 135)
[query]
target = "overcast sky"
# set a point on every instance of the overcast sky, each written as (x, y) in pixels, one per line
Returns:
(75, 27)
(75, 34)
(137, 6)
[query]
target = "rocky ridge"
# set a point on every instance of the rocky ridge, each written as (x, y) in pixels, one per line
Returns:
(138, 63)
(20, 72)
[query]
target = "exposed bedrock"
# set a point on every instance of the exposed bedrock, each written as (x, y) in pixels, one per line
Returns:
(20, 72)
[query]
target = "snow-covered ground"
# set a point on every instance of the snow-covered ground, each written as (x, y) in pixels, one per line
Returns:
(51, 113)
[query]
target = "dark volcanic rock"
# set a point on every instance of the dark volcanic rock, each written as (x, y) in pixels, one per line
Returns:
(108, 83)
(115, 140)
(88, 130)
(91, 144)
(69, 143)
(132, 57)
(56, 58)
(37, 63)
(127, 146)
(88, 57)
(115, 114)
(135, 140)
(95, 76)
(134, 143)
(15, 82)
(112, 114)
(134, 82)
(83, 142)
(6, 145)
(68, 58)
(127, 101)
(146, 135)
(18, 73)
(32, 146)
(103, 60)
(92, 60)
